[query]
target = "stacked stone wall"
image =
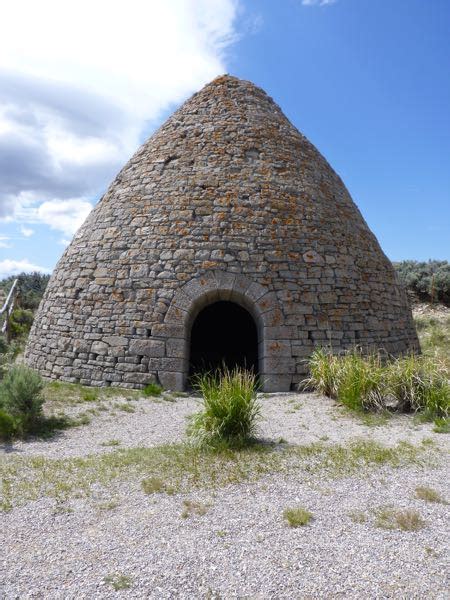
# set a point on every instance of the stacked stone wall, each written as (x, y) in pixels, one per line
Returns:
(227, 191)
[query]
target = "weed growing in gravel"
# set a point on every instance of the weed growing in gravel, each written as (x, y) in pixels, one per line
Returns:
(152, 389)
(155, 485)
(119, 582)
(387, 517)
(111, 443)
(428, 494)
(357, 516)
(193, 508)
(123, 406)
(182, 468)
(90, 395)
(441, 425)
(230, 409)
(297, 517)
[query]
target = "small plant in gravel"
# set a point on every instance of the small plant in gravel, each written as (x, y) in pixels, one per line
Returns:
(119, 582)
(357, 516)
(111, 443)
(230, 409)
(152, 389)
(441, 425)
(193, 508)
(156, 485)
(387, 517)
(428, 494)
(124, 407)
(90, 395)
(297, 517)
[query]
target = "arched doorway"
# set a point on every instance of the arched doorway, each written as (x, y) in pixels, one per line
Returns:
(223, 333)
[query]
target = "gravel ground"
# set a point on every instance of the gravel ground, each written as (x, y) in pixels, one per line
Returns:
(239, 545)
(297, 418)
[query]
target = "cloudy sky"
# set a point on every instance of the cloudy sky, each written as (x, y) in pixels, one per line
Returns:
(82, 84)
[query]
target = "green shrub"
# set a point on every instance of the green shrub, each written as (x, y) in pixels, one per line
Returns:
(152, 389)
(7, 426)
(430, 281)
(20, 322)
(230, 409)
(21, 397)
(3, 345)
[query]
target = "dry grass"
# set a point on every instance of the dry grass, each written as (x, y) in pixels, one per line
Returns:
(406, 520)
(428, 494)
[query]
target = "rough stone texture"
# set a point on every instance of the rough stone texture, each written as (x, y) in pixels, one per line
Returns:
(226, 201)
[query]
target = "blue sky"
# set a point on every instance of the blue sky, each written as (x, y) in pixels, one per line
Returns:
(367, 81)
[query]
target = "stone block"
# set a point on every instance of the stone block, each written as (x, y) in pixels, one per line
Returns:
(272, 382)
(176, 348)
(151, 348)
(172, 380)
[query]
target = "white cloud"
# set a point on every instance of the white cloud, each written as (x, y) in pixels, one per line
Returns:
(14, 267)
(65, 215)
(4, 241)
(318, 2)
(82, 81)
(26, 231)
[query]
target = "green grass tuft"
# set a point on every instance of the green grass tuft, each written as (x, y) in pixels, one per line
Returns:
(152, 390)
(230, 409)
(297, 517)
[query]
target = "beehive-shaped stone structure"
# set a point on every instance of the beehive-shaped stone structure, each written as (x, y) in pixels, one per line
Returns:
(228, 237)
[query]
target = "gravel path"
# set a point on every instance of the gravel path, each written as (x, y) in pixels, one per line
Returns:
(297, 418)
(238, 545)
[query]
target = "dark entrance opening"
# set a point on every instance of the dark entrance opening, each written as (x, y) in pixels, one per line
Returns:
(223, 333)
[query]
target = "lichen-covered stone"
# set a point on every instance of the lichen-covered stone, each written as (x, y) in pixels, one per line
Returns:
(226, 201)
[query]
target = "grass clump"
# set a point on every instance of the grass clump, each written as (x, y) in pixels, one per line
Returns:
(428, 494)
(230, 409)
(406, 520)
(152, 390)
(297, 517)
(193, 508)
(119, 582)
(441, 425)
(156, 485)
(369, 383)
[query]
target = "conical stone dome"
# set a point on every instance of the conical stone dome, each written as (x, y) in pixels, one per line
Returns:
(226, 204)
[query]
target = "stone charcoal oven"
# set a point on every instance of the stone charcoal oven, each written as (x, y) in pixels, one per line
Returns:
(227, 237)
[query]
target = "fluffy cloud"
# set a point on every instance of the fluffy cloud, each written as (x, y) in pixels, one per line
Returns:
(317, 2)
(81, 83)
(26, 231)
(14, 267)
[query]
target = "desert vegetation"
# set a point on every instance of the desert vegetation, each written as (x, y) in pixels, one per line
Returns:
(427, 281)
(375, 382)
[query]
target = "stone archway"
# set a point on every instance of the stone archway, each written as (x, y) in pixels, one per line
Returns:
(276, 364)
